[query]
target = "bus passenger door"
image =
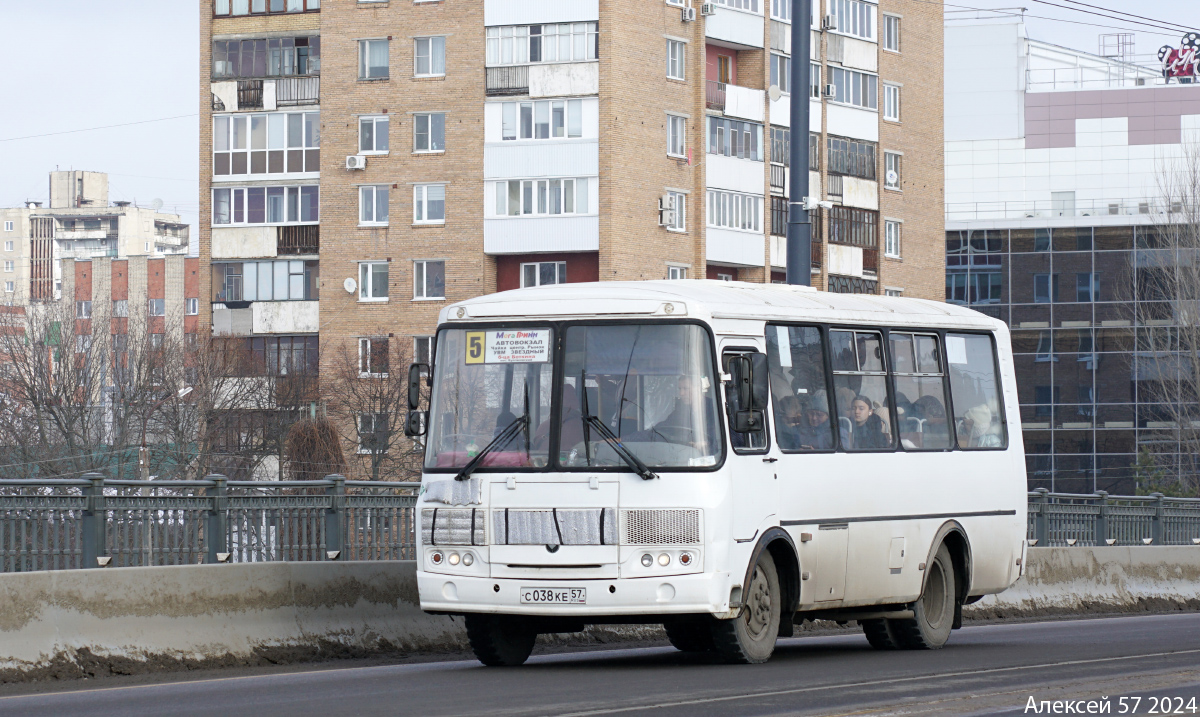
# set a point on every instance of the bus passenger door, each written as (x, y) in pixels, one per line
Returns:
(754, 484)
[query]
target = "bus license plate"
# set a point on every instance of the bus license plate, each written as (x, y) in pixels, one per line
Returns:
(554, 596)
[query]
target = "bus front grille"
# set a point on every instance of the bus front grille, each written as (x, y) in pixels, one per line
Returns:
(660, 527)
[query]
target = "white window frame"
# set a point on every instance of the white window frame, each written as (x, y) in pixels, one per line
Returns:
(892, 238)
(8, 245)
(781, 10)
(434, 54)
(428, 342)
(239, 134)
(844, 80)
(676, 272)
(513, 126)
(421, 202)
(120, 308)
(893, 291)
(191, 307)
(429, 133)
(8, 226)
(536, 197)
(368, 205)
(10, 286)
(890, 27)
(157, 305)
(509, 45)
(364, 49)
(677, 136)
(83, 309)
(367, 284)
(560, 273)
(363, 450)
(891, 102)
(680, 223)
(735, 211)
(376, 121)
(365, 352)
(245, 221)
(676, 60)
(421, 280)
(10, 266)
(852, 13)
(896, 159)
(722, 276)
(781, 72)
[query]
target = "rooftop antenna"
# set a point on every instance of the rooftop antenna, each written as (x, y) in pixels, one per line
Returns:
(156, 204)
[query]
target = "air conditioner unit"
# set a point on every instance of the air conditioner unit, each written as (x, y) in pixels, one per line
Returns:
(708, 8)
(666, 203)
(830, 91)
(689, 14)
(829, 22)
(356, 161)
(666, 218)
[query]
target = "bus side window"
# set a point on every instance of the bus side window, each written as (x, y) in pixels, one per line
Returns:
(861, 386)
(798, 389)
(975, 392)
(755, 442)
(920, 392)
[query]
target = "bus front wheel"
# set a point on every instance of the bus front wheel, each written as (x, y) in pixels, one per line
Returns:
(690, 635)
(500, 640)
(749, 638)
(929, 628)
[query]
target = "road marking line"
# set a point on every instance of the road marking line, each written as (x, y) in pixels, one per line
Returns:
(871, 683)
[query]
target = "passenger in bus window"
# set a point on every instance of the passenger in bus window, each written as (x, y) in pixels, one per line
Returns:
(868, 431)
(816, 434)
(976, 428)
(680, 424)
(931, 415)
(789, 422)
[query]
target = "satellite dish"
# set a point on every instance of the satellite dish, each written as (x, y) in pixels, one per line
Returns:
(349, 285)
(892, 176)
(156, 204)
(774, 93)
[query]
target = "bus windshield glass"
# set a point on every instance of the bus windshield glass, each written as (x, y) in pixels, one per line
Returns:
(492, 386)
(651, 385)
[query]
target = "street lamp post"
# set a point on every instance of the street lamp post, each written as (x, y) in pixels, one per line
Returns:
(143, 452)
(799, 229)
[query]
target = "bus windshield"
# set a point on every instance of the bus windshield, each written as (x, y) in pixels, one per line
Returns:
(651, 385)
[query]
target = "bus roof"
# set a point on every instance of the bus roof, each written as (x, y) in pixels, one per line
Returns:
(709, 299)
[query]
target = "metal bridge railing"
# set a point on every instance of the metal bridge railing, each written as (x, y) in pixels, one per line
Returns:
(93, 522)
(1057, 519)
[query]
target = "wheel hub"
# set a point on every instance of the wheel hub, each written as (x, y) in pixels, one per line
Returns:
(758, 605)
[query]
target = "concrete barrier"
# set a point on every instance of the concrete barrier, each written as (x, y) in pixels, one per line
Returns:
(71, 623)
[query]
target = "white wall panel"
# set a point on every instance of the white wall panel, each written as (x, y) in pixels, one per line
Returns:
(860, 193)
(745, 102)
(286, 317)
(728, 246)
(736, 175)
(243, 242)
(566, 79)
(781, 113)
(493, 120)
(536, 12)
(860, 54)
(736, 27)
(543, 234)
(853, 122)
(546, 158)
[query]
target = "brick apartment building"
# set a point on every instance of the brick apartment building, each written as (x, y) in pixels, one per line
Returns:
(363, 162)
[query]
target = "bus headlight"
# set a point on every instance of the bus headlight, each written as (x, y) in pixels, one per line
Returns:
(647, 560)
(664, 560)
(453, 559)
(468, 559)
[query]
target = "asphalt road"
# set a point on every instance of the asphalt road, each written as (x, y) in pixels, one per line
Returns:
(986, 669)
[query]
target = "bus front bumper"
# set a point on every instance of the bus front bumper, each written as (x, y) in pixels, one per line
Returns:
(669, 595)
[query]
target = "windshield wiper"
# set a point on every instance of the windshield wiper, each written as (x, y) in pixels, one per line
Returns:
(590, 421)
(520, 423)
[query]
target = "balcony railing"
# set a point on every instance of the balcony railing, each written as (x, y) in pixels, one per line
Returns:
(1054, 208)
(508, 80)
(295, 91)
(714, 95)
(296, 240)
(250, 94)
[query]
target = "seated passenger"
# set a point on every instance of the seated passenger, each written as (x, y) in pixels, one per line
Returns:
(934, 429)
(790, 422)
(867, 433)
(683, 425)
(816, 434)
(975, 429)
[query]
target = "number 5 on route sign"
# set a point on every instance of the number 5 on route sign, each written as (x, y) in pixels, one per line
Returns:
(474, 347)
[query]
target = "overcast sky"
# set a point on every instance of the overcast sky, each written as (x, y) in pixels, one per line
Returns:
(78, 64)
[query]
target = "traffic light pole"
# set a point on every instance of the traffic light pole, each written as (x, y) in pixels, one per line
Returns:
(799, 229)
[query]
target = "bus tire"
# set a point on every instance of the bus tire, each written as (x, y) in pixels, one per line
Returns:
(690, 635)
(500, 640)
(750, 637)
(880, 634)
(929, 628)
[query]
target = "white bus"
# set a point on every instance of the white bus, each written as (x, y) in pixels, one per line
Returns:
(727, 459)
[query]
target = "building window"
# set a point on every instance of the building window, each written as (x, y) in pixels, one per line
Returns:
(191, 307)
(781, 72)
(891, 102)
(263, 7)
(1087, 287)
(893, 292)
(8, 227)
(430, 57)
(266, 57)
(676, 136)
(891, 170)
(751, 5)
(853, 158)
(423, 350)
(429, 204)
(272, 143)
(373, 135)
(678, 217)
(429, 280)
(429, 132)
(730, 210)
(158, 307)
(781, 10)
(10, 286)
(525, 44)
(542, 120)
(266, 205)
(854, 88)
(373, 357)
(814, 80)
(543, 273)
(1045, 288)
(8, 245)
(372, 59)
(541, 197)
(857, 227)
(891, 239)
(83, 343)
(677, 272)
(733, 138)
(891, 33)
(373, 205)
(1045, 346)
(9, 266)
(372, 433)
(974, 288)
(676, 59)
(83, 309)
(120, 308)
(373, 281)
(854, 17)
(721, 276)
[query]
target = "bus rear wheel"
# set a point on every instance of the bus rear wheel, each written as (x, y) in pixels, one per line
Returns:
(690, 634)
(749, 638)
(929, 628)
(500, 640)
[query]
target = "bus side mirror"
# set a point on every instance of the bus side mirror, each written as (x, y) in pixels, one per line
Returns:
(414, 385)
(760, 385)
(415, 424)
(750, 386)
